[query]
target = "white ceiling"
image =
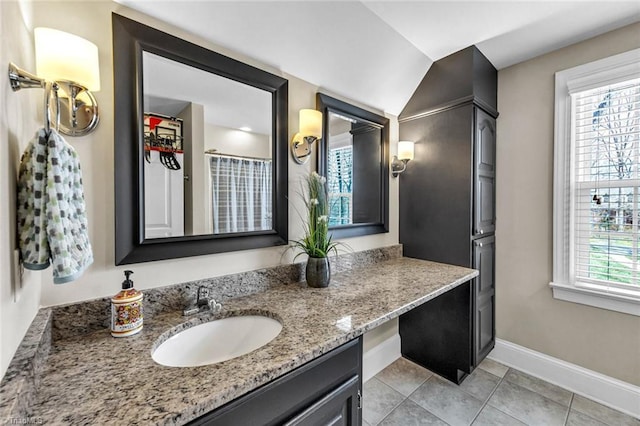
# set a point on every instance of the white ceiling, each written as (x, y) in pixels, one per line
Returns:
(376, 52)
(505, 32)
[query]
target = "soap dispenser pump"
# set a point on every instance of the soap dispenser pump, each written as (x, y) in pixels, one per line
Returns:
(126, 309)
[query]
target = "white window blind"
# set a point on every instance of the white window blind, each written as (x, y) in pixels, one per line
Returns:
(605, 196)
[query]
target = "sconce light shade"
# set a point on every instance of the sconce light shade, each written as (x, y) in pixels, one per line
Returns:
(311, 123)
(310, 126)
(64, 56)
(405, 150)
(405, 154)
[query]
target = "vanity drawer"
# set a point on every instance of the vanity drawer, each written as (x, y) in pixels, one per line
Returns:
(337, 408)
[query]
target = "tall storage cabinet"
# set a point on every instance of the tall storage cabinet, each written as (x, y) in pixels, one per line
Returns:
(447, 201)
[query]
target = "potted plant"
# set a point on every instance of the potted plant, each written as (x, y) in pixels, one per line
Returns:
(316, 242)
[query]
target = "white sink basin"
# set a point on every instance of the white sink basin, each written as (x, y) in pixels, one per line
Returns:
(217, 341)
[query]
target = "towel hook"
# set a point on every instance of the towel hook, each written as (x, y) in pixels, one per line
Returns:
(51, 90)
(21, 79)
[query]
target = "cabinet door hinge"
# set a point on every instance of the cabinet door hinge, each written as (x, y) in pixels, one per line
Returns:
(359, 400)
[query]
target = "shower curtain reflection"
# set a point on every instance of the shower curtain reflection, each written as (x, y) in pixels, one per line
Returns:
(241, 194)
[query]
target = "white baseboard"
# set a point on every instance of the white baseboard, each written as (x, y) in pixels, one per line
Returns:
(377, 358)
(614, 393)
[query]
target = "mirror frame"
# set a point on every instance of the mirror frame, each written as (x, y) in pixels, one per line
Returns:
(327, 104)
(130, 39)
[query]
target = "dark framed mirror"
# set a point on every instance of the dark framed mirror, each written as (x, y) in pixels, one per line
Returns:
(200, 149)
(354, 157)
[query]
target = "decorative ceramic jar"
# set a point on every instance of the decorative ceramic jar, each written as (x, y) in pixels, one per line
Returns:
(318, 272)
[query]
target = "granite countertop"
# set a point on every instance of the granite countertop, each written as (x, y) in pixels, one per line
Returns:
(97, 379)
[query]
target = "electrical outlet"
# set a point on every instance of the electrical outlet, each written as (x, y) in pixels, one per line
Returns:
(17, 275)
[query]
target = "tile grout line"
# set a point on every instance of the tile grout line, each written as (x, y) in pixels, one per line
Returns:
(589, 415)
(400, 403)
(566, 419)
(406, 397)
(549, 398)
(391, 411)
(433, 414)
(489, 397)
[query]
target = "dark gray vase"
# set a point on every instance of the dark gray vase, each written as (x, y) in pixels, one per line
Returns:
(318, 272)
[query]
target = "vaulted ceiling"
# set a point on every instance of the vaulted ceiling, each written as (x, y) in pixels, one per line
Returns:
(376, 52)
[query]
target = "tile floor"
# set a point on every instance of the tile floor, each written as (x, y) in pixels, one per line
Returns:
(405, 394)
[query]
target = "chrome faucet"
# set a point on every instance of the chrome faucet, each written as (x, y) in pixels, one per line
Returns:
(203, 302)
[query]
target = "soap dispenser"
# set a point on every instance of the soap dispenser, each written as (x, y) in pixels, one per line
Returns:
(126, 309)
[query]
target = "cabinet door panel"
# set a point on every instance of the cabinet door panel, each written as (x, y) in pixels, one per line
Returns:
(485, 173)
(484, 297)
(485, 328)
(486, 205)
(484, 261)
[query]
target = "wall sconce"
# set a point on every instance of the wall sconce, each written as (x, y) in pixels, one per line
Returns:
(67, 68)
(310, 125)
(405, 153)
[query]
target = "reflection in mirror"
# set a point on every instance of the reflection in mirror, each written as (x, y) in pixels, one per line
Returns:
(207, 152)
(354, 158)
(353, 170)
(200, 149)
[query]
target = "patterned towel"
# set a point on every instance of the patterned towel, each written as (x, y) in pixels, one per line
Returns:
(52, 221)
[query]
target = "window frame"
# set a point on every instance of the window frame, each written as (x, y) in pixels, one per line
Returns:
(610, 70)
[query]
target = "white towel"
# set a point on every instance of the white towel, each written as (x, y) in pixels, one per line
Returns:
(52, 221)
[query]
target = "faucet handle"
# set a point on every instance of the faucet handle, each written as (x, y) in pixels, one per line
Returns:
(214, 306)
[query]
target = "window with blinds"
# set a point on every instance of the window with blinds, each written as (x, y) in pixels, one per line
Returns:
(605, 199)
(340, 185)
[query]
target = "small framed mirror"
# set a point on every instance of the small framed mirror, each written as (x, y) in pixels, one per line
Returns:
(354, 157)
(200, 149)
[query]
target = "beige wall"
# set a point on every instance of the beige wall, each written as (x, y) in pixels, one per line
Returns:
(237, 142)
(527, 314)
(92, 20)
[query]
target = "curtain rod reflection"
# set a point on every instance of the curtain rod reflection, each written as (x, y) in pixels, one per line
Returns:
(240, 157)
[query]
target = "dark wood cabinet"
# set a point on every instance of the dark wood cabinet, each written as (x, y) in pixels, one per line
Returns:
(436, 190)
(325, 391)
(447, 202)
(438, 334)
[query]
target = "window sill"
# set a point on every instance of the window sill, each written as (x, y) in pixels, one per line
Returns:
(599, 299)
